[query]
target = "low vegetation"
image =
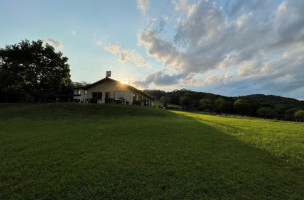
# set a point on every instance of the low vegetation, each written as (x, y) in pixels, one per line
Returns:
(89, 151)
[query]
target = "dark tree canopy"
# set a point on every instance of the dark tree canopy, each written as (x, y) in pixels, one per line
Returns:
(221, 105)
(204, 104)
(241, 106)
(33, 71)
(266, 112)
(299, 115)
(165, 100)
(185, 101)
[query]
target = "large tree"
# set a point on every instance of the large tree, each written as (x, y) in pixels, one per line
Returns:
(299, 115)
(165, 100)
(221, 105)
(204, 104)
(185, 101)
(33, 71)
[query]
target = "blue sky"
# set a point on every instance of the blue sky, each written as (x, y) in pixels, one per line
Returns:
(225, 47)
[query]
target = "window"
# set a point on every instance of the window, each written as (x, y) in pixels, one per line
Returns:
(78, 92)
(85, 92)
(97, 95)
(119, 95)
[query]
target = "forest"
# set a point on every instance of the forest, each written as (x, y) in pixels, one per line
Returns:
(256, 105)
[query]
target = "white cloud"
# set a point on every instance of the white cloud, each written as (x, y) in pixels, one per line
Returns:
(55, 43)
(126, 55)
(160, 49)
(181, 5)
(160, 79)
(74, 33)
(255, 36)
(99, 43)
(143, 5)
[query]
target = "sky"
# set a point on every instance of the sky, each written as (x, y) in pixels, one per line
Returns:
(230, 48)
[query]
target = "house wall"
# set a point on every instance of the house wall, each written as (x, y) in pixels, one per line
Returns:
(111, 87)
(80, 96)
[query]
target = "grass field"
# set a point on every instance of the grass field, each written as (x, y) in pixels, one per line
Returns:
(82, 151)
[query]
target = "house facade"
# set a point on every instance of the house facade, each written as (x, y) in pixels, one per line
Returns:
(108, 90)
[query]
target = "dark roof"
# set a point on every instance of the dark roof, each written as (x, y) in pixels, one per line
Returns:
(109, 79)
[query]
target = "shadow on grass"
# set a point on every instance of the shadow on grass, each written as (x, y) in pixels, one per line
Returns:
(137, 156)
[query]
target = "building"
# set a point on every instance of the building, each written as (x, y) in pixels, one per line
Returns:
(108, 90)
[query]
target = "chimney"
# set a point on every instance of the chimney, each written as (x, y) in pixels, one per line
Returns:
(108, 74)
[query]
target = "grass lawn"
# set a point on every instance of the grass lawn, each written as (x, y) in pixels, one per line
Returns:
(87, 151)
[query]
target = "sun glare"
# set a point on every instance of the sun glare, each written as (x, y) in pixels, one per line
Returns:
(124, 82)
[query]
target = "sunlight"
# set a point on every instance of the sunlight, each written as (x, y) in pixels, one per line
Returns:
(124, 82)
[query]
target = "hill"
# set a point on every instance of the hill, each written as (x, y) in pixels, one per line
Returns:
(283, 107)
(87, 151)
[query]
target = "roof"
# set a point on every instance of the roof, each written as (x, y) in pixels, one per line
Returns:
(115, 81)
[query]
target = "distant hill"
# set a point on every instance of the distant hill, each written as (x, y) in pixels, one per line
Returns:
(283, 106)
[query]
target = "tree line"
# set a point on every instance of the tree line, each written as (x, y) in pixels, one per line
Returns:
(264, 106)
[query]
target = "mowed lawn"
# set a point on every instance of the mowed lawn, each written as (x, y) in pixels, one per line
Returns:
(87, 151)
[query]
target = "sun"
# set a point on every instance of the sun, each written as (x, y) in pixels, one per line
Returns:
(124, 82)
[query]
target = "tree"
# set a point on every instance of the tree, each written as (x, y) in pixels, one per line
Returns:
(185, 101)
(165, 100)
(299, 115)
(204, 104)
(241, 106)
(289, 114)
(266, 112)
(34, 71)
(221, 105)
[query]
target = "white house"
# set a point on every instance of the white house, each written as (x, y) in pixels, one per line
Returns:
(108, 90)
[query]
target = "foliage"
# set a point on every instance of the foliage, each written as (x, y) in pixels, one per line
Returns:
(241, 106)
(204, 104)
(299, 115)
(266, 112)
(79, 84)
(89, 151)
(185, 101)
(289, 114)
(155, 94)
(32, 71)
(222, 106)
(279, 104)
(165, 100)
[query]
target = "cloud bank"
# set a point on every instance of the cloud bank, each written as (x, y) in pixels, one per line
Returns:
(126, 55)
(258, 42)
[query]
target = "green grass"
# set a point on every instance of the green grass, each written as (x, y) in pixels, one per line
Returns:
(82, 151)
